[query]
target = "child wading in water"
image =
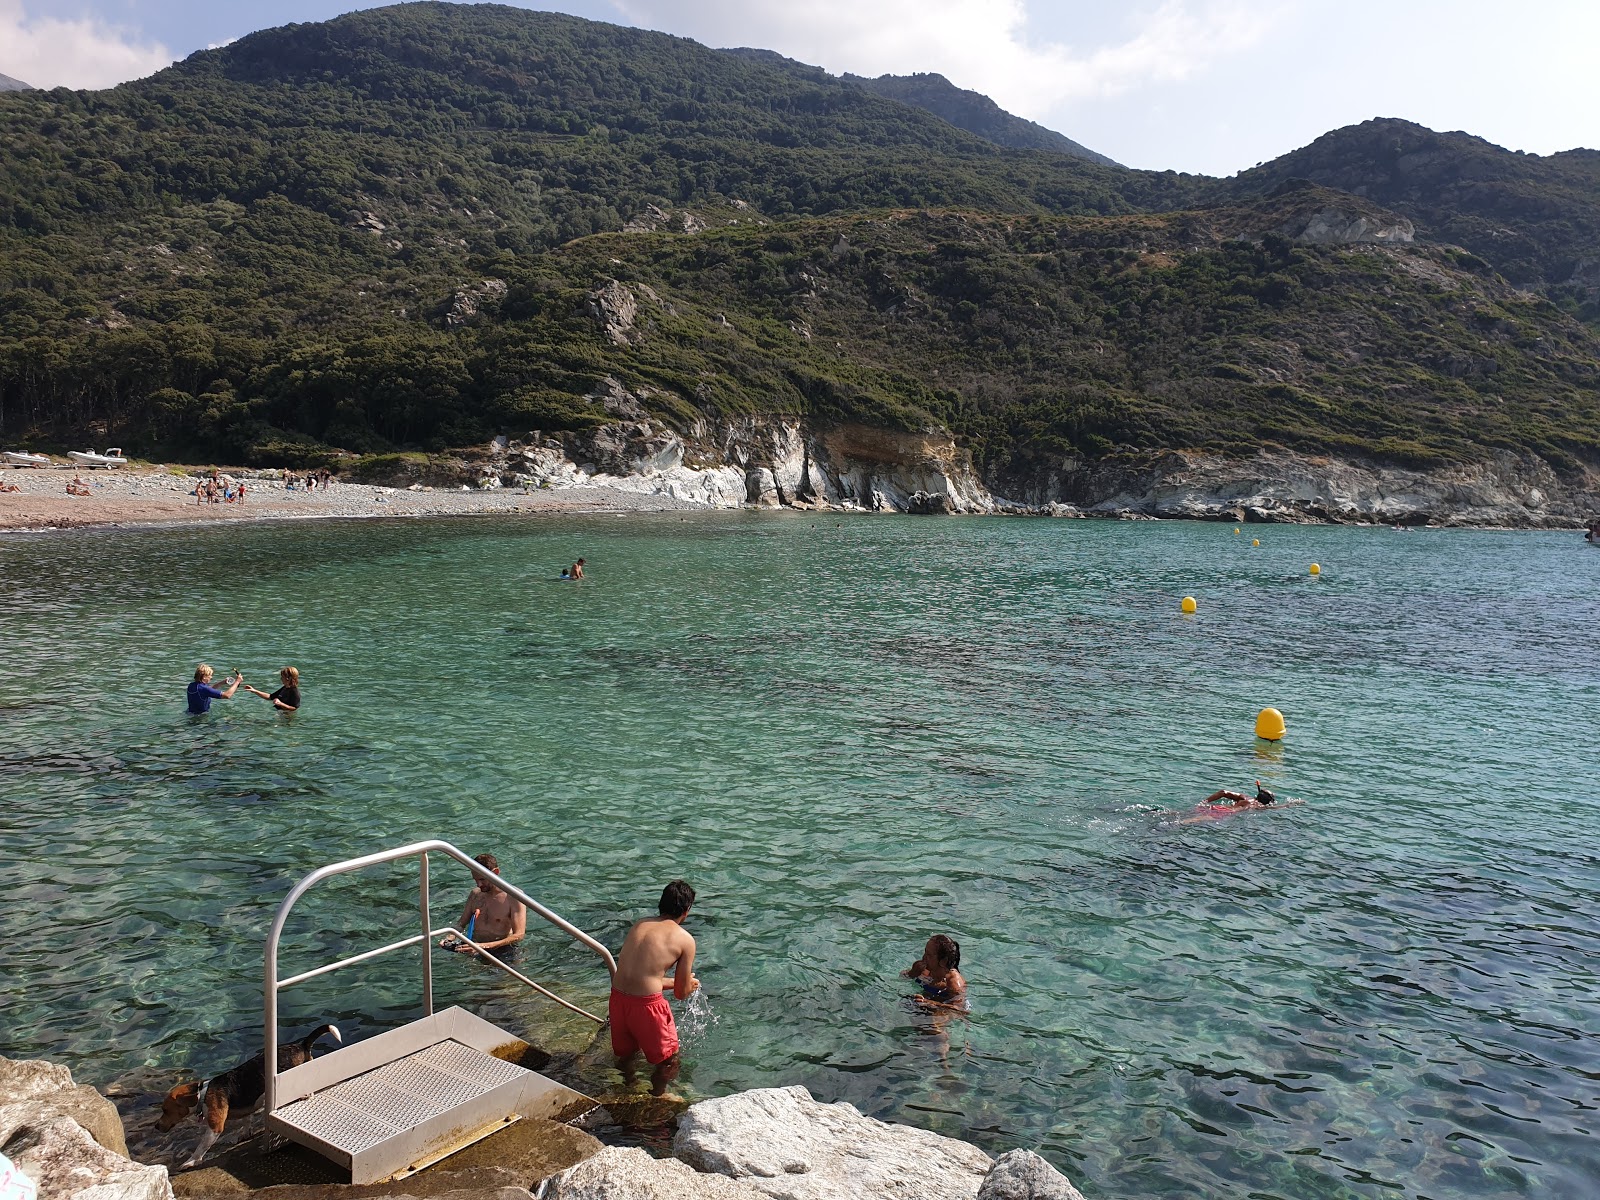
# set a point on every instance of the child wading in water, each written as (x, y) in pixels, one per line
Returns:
(935, 972)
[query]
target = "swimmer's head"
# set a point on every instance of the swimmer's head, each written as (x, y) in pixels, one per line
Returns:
(203, 672)
(676, 899)
(1263, 796)
(290, 676)
(491, 863)
(945, 949)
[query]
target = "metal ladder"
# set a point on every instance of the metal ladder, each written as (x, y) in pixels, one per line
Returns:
(395, 1103)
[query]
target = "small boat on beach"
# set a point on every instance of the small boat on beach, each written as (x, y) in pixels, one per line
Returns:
(88, 458)
(21, 458)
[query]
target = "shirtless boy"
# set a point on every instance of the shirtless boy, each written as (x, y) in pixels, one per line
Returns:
(641, 1018)
(498, 920)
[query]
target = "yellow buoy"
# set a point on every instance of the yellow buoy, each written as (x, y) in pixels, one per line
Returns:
(1269, 724)
(1236, 531)
(1188, 604)
(1315, 569)
(1255, 541)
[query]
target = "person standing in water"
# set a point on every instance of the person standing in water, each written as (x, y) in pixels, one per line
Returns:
(641, 1018)
(202, 693)
(287, 697)
(491, 917)
(935, 972)
(577, 569)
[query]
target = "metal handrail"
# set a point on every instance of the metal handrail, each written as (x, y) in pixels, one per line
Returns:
(272, 985)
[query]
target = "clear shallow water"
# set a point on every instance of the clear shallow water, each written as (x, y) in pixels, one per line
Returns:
(848, 736)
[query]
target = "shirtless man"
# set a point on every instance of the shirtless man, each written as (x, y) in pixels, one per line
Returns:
(491, 917)
(641, 1018)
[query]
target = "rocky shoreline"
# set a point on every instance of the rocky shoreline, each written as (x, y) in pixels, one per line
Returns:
(637, 466)
(772, 1143)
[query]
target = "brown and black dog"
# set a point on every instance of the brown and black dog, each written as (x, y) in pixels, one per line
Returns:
(236, 1090)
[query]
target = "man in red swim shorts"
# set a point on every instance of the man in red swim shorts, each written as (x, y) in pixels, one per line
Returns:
(641, 1018)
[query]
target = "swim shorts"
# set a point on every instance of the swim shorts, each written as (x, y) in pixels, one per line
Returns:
(643, 1023)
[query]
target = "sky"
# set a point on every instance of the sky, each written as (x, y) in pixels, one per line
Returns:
(1208, 86)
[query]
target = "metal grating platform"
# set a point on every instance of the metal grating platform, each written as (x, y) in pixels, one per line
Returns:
(438, 1088)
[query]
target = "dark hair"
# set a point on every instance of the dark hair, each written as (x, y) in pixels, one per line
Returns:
(1264, 797)
(676, 898)
(947, 948)
(486, 860)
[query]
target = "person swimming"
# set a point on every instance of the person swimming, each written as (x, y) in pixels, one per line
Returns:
(1223, 798)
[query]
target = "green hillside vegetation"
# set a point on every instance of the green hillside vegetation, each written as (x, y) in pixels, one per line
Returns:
(975, 113)
(1535, 219)
(381, 233)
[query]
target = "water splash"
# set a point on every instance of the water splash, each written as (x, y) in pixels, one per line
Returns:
(697, 1017)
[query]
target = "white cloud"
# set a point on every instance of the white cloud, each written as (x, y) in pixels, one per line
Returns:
(83, 53)
(979, 44)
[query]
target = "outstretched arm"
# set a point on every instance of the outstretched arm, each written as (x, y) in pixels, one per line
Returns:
(683, 981)
(227, 692)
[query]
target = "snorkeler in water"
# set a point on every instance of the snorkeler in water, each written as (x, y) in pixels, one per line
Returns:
(1224, 798)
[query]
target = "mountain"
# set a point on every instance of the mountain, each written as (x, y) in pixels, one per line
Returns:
(1535, 219)
(8, 84)
(421, 226)
(971, 111)
(975, 113)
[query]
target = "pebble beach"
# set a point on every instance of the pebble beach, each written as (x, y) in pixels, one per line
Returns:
(158, 496)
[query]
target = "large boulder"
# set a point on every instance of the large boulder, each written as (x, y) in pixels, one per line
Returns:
(59, 1155)
(45, 1089)
(625, 1173)
(793, 1147)
(1023, 1175)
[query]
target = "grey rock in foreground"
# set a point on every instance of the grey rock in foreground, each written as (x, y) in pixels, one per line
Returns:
(46, 1088)
(1023, 1175)
(792, 1147)
(64, 1161)
(624, 1173)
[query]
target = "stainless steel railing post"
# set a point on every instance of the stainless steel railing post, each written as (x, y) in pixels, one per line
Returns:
(427, 943)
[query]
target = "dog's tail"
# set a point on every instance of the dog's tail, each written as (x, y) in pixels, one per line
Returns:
(329, 1030)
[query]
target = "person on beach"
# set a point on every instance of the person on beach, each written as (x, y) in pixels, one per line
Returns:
(641, 1018)
(936, 974)
(287, 697)
(202, 693)
(491, 917)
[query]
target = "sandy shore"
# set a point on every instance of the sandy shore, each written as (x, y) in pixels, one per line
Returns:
(129, 496)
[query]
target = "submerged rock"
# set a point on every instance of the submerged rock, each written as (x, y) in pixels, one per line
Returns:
(792, 1147)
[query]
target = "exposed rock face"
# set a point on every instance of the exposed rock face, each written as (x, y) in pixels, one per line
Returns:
(614, 307)
(1284, 487)
(40, 1090)
(1338, 227)
(1023, 1175)
(791, 1147)
(59, 1155)
(624, 1173)
(469, 300)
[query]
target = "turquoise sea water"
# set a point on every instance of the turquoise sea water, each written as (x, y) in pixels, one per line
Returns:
(848, 735)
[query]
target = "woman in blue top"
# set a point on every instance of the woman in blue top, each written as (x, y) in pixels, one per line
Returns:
(202, 693)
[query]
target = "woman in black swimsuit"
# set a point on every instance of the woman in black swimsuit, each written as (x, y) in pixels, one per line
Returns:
(287, 697)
